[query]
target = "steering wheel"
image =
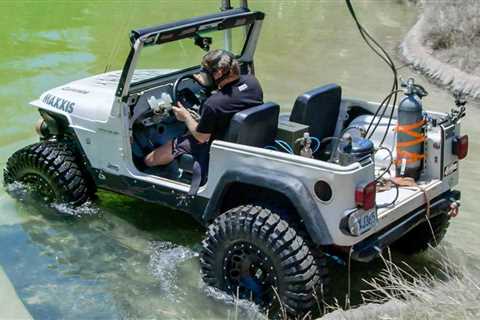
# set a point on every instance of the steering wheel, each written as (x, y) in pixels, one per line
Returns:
(185, 96)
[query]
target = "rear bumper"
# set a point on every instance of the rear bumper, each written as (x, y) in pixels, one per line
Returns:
(371, 247)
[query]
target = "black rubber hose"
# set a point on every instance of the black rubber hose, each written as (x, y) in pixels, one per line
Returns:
(377, 179)
(383, 104)
(380, 51)
(389, 165)
(397, 194)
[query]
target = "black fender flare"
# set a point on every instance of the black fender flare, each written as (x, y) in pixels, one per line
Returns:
(282, 182)
(66, 133)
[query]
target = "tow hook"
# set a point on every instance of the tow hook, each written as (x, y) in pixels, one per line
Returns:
(454, 209)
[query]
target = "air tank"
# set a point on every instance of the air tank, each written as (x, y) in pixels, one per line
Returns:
(410, 132)
(353, 149)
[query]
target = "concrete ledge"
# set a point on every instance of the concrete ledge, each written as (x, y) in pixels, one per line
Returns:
(11, 307)
(414, 52)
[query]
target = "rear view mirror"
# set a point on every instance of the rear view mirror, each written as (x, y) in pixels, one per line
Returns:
(202, 42)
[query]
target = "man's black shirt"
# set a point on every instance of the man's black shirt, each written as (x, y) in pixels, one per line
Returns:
(219, 108)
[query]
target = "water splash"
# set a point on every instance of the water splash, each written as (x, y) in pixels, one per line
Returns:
(18, 190)
(165, 260)
(86, 209)
(23, 193)
(241, 309)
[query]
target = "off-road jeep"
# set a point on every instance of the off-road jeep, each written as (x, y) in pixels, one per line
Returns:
(282, 189)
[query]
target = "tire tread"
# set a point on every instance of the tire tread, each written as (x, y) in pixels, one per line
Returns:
(57, 162)
(300, 274)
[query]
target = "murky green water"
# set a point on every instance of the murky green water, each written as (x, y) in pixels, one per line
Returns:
(126, 259)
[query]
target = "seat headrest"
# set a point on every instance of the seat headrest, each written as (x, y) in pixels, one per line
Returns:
(318, 108)
(256, 126)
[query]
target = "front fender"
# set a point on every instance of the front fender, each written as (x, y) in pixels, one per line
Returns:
(281, 182)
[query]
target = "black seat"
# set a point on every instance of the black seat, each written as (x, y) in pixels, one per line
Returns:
(318, 108)
(256, 126)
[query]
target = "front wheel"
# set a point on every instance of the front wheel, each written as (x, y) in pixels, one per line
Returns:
(51, 170)
(253, 253)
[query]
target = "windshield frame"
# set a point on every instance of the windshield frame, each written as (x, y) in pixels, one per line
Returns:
(187, 28)
(189, 68)
(222, 21)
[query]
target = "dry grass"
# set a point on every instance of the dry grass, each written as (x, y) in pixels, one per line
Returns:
(452, 31)
(400, 292)
(453, 294)
(445, 44)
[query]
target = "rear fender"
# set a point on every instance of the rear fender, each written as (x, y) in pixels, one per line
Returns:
(281, 182)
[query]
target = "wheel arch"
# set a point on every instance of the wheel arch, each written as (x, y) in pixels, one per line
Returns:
(291, 190)
(65, 133)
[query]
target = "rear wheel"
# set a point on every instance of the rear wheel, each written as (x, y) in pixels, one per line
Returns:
(421, 237)
(50, 170)
(251, 252)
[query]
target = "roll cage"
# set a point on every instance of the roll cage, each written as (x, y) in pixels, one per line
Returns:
(188, 28)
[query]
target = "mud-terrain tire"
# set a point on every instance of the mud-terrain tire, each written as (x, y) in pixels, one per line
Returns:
(420, 238)
(252, 250)
(51, 168)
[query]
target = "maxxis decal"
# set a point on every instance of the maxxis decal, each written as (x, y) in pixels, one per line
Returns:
(58, 103)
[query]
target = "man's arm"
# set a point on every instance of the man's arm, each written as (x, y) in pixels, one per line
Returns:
(192, 125)
(183, 115)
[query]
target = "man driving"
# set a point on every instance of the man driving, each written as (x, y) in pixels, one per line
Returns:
(234, 92)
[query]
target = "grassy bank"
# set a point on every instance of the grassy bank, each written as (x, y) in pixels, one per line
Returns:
(452, 31)
(401, 293)
(445, 43)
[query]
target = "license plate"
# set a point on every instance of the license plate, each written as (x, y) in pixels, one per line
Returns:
(362, 221)
(451, 168)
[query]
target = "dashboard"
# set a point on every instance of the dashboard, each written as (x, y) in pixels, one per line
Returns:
(152, 120)
(154, 106)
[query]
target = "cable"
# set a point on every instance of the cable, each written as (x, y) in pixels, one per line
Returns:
(388, 125)
(377, 179)
(384, 102)
(331, 138)
(397, 194)
(334, 149)
(367, 37)
(389, 165)
(317, 141)
(379, 51)
(271, 148)
(362, 131)
(285, 146)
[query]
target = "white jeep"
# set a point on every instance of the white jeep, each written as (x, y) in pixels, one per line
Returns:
(272, 211)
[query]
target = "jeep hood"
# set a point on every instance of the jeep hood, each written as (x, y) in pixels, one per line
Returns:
(89, 98)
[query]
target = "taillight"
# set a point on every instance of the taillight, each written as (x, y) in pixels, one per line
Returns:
(460, 146)
(365, 195)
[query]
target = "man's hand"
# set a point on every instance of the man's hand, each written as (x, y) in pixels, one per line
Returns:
(198, 78)
(180, 112)
(183, 115)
